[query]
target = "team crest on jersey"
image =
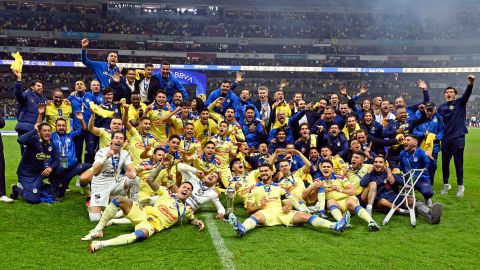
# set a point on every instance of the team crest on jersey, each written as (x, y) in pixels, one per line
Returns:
(60, 112)
(68, 140)
(415, 159)
(49, 148)
(338, 143)
(87, 100)
(373, 129)
(116, 110)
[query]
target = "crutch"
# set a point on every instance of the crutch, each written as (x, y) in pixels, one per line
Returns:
(407, 190)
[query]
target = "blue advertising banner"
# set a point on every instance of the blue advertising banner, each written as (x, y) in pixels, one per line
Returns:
(191, 77)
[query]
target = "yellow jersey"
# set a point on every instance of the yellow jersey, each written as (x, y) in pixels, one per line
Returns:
(144, 169)
(294, 182)
(223, 147)
(179, 124)
(247, 183)
(54, 112)
(206, 164)
(158, 127)
(168, 210)
(339, 181)
(354, 177)
(105, 138)
(273, 193)
(189, 145)
(134, 113)
(138, 143)
(202, 132)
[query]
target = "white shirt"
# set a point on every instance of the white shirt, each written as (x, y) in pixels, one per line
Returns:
(379, 117)
(144, 85)
(201, 193)
(120, 160)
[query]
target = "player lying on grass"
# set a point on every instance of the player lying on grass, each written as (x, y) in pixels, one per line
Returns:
(271, 205)
(149, 219)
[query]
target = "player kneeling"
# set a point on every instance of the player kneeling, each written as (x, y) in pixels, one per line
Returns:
(271, 205)
(149, 219)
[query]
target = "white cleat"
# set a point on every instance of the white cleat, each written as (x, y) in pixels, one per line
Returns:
(92, 235)
(6, 199)
(95, 246)
(460, 191)
(445, 189)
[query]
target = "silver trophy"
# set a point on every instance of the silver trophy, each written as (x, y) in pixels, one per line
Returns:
(230, 194)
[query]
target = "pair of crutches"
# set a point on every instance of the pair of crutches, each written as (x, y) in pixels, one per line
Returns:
(408, 190)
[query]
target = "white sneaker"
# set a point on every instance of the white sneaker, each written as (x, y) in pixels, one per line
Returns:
(6, 199)
(95, 246)
(92, 235)
(429, 202)
(445, 189)
(460, 191)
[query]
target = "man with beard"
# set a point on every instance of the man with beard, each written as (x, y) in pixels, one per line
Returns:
(207, 161)
(241, 181)
(271, 205)
(169, 83)
(355, 172)
(137, 110)
(205, 127)
(415, 158)
(226, 93)
(282, 122)
(147, 85)
(107, 179)
(141, 140)
(243, 102)
(103, 70)
(177, 100)
(189, 145)
(326, 121)
(65, 147)
(147, 220)
(398, 129)
(108, 109)
(39, 161)
(28, 101)
(379, 184)
(123, 88)
(351, 128)
(234, 128)
(260, 158)
(279, 142)
(337, 161)
(159, 117)
(385, 115)
(58, 109)
(412, 109)
(253, 129)
(335, 140)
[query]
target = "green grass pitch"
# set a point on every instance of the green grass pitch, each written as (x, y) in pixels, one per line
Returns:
(48, 236)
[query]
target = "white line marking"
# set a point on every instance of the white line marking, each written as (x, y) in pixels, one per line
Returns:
(222, 250)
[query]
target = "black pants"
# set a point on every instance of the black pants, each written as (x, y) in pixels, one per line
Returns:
(2, 170)
(453, 148)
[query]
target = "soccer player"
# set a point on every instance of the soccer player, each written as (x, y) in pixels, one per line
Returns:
(107, 180)
(103, 70)
(28, 101)
(109, 109)
(3, 197)
(204, 190)
(454, 113)
(159, 117)
(39, 160)
(137, 110)
(58, 109)
(337, 161)
(306, 141)
(241, 181)
(355, 173)
(205, 127)
(168, 210)
(141, 141)
(207, 161)
(144, 170)
(224, 149)
(340, 195)
(189, 145)
(271, 205)
(234, 128)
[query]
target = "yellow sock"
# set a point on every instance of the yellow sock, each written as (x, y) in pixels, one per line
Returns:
(321, 199)
(336, 213)
(250, 223)
(109, 213)
(363, 214)
(120, 240)
(319, 222)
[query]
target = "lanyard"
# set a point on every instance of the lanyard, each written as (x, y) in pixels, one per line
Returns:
(180, 217)
(413, 157)
(62, 145)
(115, 166)
(146, 84)
(187, 142)
(145, 139)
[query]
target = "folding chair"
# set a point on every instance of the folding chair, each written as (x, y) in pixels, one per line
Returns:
(408, 190)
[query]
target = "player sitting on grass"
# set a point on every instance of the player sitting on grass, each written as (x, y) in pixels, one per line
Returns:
(168, 210)
(271, 205)
(340, 196)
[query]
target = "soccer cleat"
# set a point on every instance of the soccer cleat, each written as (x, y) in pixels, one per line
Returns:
(95, 246)
(341, 225)
(373, 226)
(237, 225)
(445, 189)
(14, 193)
(6, 199)
(92, 235)
(436, 213)
(460, 191)
(87, 202)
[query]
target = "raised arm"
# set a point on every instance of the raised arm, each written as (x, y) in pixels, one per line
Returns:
(91, 125)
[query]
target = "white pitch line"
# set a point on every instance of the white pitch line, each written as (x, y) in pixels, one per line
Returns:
(222, 250)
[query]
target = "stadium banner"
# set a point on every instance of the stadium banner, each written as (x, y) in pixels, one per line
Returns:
(290, 56)
(261, 68)
(191, 77)
(343, 57)
(80, 35)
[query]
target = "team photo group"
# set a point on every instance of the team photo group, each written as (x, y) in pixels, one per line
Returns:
(144, 152)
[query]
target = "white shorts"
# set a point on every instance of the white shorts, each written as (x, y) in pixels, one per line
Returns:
(101, 192)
